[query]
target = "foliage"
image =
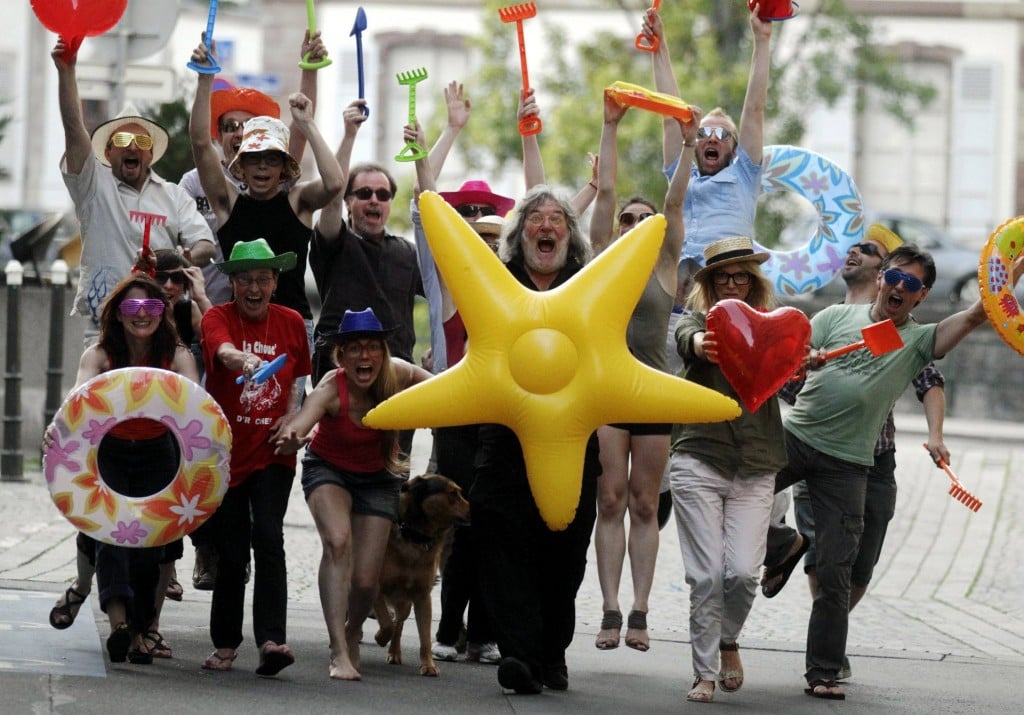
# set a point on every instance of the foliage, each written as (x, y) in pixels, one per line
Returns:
(173, 116)
(4, 121)
(833, 56)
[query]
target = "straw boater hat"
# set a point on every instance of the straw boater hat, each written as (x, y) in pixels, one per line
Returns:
(488, 225)
(880, 234)
(265, 134)
(479, 192)
(358, 324)
(735, 249)
(255, 254)
(240, 99)
(129, 115)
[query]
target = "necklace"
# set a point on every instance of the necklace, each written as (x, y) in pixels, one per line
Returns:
(249, 343)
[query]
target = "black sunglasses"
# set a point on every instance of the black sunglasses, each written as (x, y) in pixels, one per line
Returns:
(471, 210)
(868, 249)
(366, 192)
(177, 277)
(628, 218)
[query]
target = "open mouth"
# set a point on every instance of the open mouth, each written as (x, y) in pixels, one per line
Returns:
(364, 370)
(130, 162)
(712, 153)
(895, 301)
(545, 245)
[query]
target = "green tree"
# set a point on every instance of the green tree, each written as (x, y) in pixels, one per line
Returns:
(173, 116)
(833, 56)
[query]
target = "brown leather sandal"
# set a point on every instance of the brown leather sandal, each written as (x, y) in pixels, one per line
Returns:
(610, 621)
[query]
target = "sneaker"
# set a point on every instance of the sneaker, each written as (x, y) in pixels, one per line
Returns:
(204, 575)
(444, 652)
(845, 673)
(483, 653)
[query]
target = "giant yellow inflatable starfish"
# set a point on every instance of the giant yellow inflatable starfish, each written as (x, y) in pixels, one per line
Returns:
(553, 365)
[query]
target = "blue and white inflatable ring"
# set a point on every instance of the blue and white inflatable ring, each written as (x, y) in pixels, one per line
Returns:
(837, 200)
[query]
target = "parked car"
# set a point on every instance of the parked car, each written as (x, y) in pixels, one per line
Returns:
(36, 238)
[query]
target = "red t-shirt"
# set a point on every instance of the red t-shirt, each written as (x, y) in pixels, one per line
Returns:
(349, 446)
(252, 410)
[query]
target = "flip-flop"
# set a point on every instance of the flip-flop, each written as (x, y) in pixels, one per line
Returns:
(785, 570)
(827, 694)
(64, 609)
(219, 662)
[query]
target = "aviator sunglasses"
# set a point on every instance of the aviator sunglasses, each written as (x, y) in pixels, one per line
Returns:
(628, 218)
(868, 249)
(366, 192)
(133, 306)
(719, 133)
(471, 210)
(911, 283)
(123, 140)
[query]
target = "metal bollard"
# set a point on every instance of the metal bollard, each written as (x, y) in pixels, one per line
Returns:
(55, 365)
(11, 459)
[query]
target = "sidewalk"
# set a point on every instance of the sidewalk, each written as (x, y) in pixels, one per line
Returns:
(941, 630)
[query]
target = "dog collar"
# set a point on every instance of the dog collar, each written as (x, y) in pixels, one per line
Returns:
(413, 536)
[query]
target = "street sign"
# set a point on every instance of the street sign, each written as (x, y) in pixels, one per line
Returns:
(142, 83)
(266, 82)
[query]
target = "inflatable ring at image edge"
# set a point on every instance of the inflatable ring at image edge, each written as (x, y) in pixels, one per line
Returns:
(193, 417)
(997, 296)
(837, 200)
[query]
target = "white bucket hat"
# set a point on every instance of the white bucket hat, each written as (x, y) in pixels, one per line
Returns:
(265, 134)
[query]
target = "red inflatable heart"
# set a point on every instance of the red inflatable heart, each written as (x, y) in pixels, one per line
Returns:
(75, 20)
(758, 351)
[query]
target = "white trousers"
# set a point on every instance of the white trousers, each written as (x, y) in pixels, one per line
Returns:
(723, 524)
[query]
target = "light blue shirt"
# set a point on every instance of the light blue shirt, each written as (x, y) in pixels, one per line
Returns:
(720, 205)
(431, 289)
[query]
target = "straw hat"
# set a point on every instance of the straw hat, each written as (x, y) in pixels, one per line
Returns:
(129, 115)
(240, 99)
(479, 192)
(880, 234)
(358, 324)
(735, 249)
(265, 134)
(255, 254)
(488, 225)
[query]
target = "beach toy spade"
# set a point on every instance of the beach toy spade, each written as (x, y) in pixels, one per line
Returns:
(412, 151)
(148, 221)
(266, 370)
(956, 490)
(880, 338)
(311, 25)
(212, 67)
(642, 42)
(517, 13)
(357, 29)
(74, 20)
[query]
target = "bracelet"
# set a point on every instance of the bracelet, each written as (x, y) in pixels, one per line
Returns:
(689, 145)
(591, 183)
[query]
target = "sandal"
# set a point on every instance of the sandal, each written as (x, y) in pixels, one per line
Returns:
(637, 621)
(216, 661)
(72, 599)
(118, 643)
(156, 645)
(701, 695)
(610, 621)
(775, 577)
(174, 590)
(831, 690)
(273, 659)
(140, 657)
(736, 674)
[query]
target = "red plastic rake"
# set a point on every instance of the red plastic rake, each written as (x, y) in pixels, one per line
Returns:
(148, 221)
(957, 491)
(517, 13)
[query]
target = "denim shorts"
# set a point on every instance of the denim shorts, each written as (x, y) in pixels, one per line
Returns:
(373, 493)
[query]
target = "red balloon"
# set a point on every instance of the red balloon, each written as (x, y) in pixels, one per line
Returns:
(758, 351)
(79, 18)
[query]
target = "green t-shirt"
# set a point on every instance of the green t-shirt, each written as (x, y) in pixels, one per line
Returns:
(842, 406)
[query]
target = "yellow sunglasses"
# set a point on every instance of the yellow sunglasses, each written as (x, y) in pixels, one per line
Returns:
(124, 139)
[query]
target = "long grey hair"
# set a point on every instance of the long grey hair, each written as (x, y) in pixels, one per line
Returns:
(511, 246)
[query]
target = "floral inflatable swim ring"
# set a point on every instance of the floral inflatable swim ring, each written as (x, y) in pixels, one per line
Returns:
(190, 498)
(837, 200)
(994, 271)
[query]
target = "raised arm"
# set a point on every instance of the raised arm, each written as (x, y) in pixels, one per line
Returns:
(315, 48)
(602, 220)
(588, 192)
(950, 331)
(219, 192)
(752, 119)
(672, 246)
(458, 116)
(664, 82)
(533, 165)
(77, 146)
(315, 194)
(333, 215)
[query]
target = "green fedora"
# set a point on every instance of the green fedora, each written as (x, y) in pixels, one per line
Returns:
(250, 255)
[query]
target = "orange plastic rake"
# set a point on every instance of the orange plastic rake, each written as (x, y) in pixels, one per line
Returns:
(956, 490)
(517, 13)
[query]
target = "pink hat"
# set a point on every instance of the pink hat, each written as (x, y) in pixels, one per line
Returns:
(479, 192)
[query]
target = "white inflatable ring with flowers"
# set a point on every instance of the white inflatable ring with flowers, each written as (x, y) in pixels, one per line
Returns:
(193, 417)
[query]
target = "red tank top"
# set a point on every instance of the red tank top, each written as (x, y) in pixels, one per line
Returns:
(345, 444)
(454, 338)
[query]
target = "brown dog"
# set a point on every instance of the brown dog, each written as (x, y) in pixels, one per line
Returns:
(430, 506)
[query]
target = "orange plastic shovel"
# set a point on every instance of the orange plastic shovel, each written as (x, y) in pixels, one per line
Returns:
(516, 14)
(880, 338)
(648, 45)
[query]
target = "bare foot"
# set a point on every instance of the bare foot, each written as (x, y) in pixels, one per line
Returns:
(352, 639)
(342, 668)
